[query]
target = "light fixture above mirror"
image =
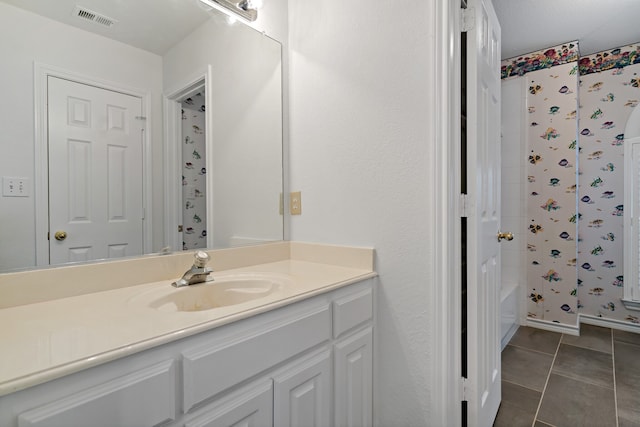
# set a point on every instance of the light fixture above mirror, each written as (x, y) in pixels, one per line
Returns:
(247, 9)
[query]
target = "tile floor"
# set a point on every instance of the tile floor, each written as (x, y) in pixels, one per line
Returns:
(552, 379)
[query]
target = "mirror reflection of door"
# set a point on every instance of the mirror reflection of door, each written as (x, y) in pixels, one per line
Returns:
(194, 190)
(95, 172)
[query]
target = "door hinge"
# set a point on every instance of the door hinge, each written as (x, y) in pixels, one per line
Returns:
(48, 236)
(463, 389)
(463, 206)
(467, 19)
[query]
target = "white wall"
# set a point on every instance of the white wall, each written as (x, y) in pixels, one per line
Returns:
(361, 111)
(26, 38)
(514, 128)
(245, 109)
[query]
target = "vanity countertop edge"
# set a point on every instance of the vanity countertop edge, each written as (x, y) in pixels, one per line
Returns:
(46, 340)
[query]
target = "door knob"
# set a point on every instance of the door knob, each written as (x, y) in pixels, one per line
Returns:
(60, 235)
(507, 235)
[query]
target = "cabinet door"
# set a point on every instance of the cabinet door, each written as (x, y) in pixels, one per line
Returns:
(353, 366)
(302, 393)
(249, 407)
(143, 398)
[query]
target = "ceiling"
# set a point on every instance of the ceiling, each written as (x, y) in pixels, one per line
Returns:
(530, 25)
(152, 25)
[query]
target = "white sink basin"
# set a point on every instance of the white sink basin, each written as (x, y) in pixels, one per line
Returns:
(221, 292)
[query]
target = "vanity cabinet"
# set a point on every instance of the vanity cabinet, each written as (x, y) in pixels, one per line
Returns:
(308, 363)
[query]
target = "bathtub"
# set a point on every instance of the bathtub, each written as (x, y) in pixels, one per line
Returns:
(509, 298)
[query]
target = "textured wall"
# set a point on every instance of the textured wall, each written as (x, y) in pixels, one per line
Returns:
(609, 89)
(361, 101)
(608, 93)
(551, 193)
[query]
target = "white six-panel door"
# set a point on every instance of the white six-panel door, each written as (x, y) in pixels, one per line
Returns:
(483, 145)
(95, 172)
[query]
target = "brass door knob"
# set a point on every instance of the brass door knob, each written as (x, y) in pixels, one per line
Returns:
(60, 235)
(507, 235)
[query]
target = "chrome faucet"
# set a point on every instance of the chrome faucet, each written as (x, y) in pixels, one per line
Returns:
(198, 273)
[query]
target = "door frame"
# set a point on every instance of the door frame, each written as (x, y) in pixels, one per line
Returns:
(172, 145)
(445, 241)
(41, 73)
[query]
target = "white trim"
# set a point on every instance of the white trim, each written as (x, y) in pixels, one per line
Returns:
(553, 327)
(619, 325)
(631, 304)
(41, 72)
(172, 151)
(507, 337)
(445, 228)
(631, 202)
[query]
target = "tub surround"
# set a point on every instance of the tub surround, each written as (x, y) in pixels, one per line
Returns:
(63, 320)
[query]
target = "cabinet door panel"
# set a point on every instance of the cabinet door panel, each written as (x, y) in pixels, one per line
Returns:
(143, 398)
(302, 395)
(352, 310)
(236, 360)
(250, 407)
(353, 386)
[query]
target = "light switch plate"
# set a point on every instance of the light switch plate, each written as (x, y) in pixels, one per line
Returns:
(16, 187)
(295, 203)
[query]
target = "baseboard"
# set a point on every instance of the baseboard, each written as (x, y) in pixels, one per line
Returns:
(553, 327)
(609, 323)
(507, 337)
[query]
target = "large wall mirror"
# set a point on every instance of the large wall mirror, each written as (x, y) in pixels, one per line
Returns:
(161, 118)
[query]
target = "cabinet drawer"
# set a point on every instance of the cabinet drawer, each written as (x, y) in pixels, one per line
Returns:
(143, 398)
(352, 310)
(212, 368)
(250, 406)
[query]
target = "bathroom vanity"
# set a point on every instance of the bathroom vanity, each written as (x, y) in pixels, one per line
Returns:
(300, 353)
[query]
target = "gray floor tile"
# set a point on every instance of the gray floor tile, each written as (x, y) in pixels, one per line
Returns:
(628, 380)
(584, 364)
(568, 402)
(593, 337)
(541, 424)
(622, 422)
(628, 337)
(536, 339)
(525, 367)
(520, 397)
(512, 416)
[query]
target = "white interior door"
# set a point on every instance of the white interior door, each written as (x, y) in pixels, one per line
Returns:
(95, 172)
(483, 256)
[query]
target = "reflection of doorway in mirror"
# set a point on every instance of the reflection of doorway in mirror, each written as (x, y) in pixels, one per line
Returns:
(194, 207)
(95, 172)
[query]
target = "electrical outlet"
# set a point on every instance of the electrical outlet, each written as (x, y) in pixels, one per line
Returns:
(295, 203)
(15, 187)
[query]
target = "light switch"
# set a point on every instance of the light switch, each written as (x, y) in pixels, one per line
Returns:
(295, 203)
(16, 187)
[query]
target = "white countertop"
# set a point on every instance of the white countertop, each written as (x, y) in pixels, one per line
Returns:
(47, 340)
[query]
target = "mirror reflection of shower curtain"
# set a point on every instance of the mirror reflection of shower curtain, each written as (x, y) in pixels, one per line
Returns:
(194, 208)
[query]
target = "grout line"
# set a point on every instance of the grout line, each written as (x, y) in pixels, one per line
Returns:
(586, 348)
(544, 389)
(615, 388)
(530, 349)
(584, 381)
(523, 386)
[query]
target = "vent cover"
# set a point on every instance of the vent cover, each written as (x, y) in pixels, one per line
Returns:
(89, 15)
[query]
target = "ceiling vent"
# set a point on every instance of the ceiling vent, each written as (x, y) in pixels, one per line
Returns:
(89, 15)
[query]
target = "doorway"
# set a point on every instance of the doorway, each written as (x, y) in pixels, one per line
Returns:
(188, 196)
(118, 119)
(194, 185)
